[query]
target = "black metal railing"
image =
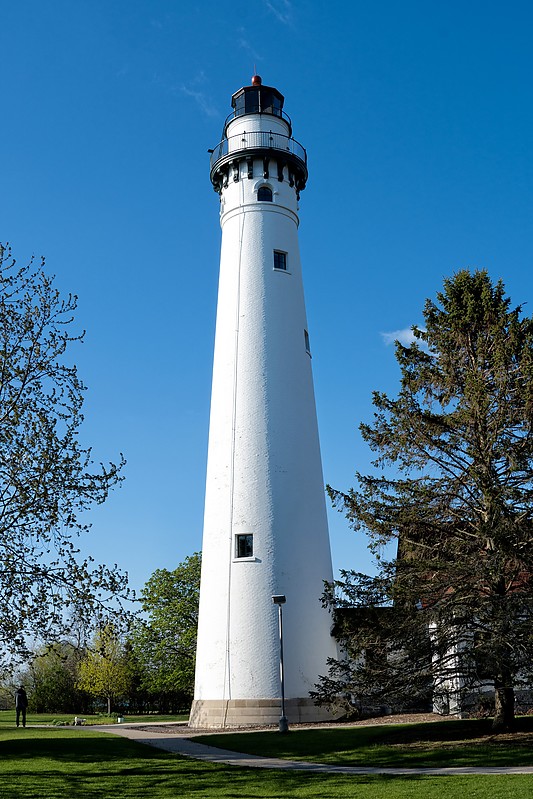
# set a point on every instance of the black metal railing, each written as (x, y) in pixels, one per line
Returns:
(258, 140)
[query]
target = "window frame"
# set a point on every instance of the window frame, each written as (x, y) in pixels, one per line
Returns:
(280, 254)
(307, 342)
(265, 187)
(247, 541)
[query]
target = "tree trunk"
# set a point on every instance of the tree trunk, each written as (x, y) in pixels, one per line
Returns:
(503, 705)
(108, 705)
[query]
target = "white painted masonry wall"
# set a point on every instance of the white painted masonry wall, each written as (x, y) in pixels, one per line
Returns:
(264, 473)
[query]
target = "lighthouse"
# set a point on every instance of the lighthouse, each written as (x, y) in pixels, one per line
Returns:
(265, 527)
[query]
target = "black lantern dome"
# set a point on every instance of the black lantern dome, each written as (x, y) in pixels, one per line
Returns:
(288, 157)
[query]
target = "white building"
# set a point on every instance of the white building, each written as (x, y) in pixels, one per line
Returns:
(265, 527)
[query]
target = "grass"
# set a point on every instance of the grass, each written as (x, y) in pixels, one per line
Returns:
(8, 716)
(75, 762)
(447, 743)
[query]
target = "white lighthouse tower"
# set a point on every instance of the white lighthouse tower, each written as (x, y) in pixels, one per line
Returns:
(265, 526)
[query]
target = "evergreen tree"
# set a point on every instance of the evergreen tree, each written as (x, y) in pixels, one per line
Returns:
(454, 487)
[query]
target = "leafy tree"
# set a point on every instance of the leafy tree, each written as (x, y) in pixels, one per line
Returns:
(104, 671)
(138, 698)
(47, 479)
(51, 680)
(455, 490)
(165, 643)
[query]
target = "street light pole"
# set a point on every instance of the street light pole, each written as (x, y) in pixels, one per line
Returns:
(279, 600)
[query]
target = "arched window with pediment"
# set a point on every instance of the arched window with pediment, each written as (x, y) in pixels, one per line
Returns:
(264, 194)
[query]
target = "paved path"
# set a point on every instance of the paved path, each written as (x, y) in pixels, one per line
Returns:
(182, 743)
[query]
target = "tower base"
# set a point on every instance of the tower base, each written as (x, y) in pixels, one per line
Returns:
(227, 713)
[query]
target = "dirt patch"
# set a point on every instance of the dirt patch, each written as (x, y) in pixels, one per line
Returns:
(402, 718)
(399, 718)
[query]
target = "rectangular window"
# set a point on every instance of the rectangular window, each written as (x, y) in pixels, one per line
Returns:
(306, 339)
(244, 545)
(280, 260)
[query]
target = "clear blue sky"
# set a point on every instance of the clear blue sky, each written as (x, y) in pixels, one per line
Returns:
(417, 118)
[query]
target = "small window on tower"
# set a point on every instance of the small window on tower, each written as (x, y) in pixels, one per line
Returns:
(264, 194)
(244, 545)
(307, 345)
(280, 260)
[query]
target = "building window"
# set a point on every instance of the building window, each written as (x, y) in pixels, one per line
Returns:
(280, 260)
(244, 545)
(264, 194)
(306, 339)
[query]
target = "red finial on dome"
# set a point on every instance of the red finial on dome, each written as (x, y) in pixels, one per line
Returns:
(256, 80)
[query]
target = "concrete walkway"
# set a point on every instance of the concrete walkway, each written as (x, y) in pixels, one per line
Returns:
(182, 743)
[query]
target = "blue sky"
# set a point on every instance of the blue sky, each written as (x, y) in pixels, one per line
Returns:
(417, 118)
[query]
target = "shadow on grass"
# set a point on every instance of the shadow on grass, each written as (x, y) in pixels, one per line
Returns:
(51, 764)
(447, 743)
(69, 747)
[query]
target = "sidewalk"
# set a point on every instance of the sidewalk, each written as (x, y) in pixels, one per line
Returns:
(182, 743)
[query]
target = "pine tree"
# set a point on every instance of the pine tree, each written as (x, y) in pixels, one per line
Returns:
(453, 486)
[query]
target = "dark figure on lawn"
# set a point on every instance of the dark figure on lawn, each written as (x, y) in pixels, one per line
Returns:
(21, 703)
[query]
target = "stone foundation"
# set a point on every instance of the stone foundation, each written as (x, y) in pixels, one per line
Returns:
(221, 714)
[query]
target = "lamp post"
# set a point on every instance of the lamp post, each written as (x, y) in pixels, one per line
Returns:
(279, 600)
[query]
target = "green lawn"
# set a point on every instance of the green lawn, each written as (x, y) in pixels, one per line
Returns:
(8, 716)
(446, 743)
(59, 762)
